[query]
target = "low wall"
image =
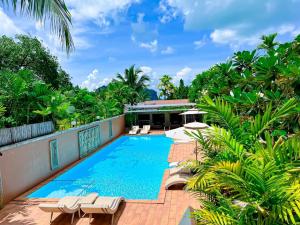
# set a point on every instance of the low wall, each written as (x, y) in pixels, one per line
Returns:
(25, 132)
(26, 164)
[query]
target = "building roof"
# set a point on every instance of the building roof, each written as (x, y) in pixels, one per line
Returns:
(165, 102)
(150, 106)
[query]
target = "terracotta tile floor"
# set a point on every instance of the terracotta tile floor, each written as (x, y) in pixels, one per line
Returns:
(167, 211)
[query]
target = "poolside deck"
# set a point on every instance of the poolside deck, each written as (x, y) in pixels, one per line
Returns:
(167, 211)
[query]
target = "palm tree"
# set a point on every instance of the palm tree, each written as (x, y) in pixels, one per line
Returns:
(166, 87)
(134, 79)
(268, 42)
(247, 176)
(55, 11)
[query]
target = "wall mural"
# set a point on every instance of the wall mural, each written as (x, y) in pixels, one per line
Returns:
(89, 140)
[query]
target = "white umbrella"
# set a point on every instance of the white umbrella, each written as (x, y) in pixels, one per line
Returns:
(192, 111)
(196, 125)
(179, 135)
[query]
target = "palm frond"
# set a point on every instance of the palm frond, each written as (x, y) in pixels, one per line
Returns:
(221, 112)
(263, 122)
(55, 11)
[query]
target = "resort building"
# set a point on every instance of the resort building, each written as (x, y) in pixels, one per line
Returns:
(161, 114)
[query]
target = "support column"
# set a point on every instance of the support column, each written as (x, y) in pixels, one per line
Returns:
(151, 119)
(167, 121)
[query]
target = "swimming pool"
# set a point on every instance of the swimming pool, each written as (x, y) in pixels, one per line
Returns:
(131, 166)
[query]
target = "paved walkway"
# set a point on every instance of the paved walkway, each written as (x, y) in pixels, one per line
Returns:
(167, 211)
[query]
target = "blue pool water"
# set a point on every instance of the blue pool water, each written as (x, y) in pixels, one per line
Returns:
(131, 166)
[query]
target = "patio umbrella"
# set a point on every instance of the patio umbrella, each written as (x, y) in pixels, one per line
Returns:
(195, 125)
(192, 111)
(179, 135)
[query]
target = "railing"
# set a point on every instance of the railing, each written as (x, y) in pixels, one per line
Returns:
(25, 132)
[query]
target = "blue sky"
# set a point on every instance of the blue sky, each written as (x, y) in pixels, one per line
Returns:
(176, 37)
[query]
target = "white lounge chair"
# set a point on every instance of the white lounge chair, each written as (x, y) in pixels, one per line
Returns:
(145, 129)
(134, 130)
(176, 180)
(69, 204)
(179, 170)
(174, 164)
(103, 205)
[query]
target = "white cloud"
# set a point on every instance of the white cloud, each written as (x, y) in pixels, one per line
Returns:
(184, 74)
(232, 38)
(92, 82)
(154, 77)
(98, 11)
(8, 27)
(144, 32)
(167, 51)
(151, 46)
(168, 13)
(239, 22)
(104, 82)
(146, 69)
(103, 13)
(200, 43)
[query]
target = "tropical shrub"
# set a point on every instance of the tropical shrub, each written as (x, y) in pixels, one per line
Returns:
(252, 79)
(27, 53)
(247, 175)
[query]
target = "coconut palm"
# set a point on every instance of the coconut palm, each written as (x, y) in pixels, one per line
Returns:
(247, 176)
(55, 11)
(269, 42)
(166, 87)
(134, 78)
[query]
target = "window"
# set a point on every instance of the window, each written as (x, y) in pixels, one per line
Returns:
(54, 155)
(110, 129)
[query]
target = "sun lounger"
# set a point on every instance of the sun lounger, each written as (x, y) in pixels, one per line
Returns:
(103, 205)
(174, 164)
(69, 204)
(179, 170)
(145, 129)
(176, 180)
(134, 130)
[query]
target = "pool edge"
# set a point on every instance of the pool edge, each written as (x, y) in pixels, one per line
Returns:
(161, 195)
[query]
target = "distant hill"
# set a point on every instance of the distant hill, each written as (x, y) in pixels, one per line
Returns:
(152, 94)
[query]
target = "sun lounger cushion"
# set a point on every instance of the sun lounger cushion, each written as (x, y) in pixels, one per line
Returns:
(105, 205)
(89, 199)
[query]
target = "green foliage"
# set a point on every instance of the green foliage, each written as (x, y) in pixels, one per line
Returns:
(34, 88)
(166, 87)
(136, 82)
(42, 10)
(182, 91)
(252, 79)
(248, 175)
(27, 53)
